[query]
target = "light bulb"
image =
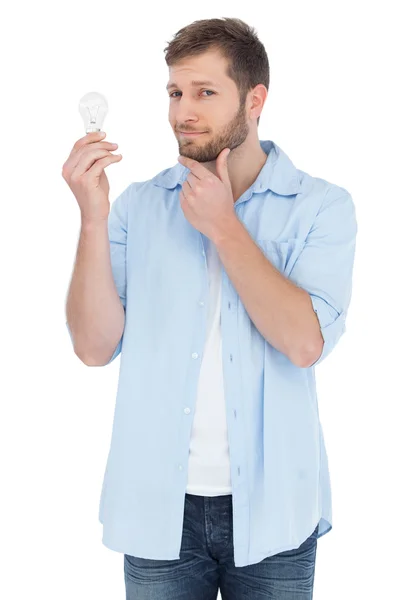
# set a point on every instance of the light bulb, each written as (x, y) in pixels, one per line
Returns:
(93, 108)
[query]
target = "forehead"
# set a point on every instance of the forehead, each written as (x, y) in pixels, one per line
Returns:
(208, 68)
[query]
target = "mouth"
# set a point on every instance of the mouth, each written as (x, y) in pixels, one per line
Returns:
(194, 134)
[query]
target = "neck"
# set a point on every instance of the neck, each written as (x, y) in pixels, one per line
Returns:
(244, 174)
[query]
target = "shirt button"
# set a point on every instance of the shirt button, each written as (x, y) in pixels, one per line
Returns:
(180, 467)
(195, 355)
(186, 411)
(201, 303)
(203, 253)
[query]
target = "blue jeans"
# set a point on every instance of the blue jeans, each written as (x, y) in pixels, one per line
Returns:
(206, 563)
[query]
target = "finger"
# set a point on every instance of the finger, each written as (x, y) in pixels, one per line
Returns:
(186, 190)
(76, 158)
(88, 160)
(192, 180)
(196, 168)
(100, 165)
(182, 197)
(89, 138)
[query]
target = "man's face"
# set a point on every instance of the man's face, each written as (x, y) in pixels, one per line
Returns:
(211, 108)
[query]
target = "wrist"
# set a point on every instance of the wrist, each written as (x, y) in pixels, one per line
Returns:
(88, 223)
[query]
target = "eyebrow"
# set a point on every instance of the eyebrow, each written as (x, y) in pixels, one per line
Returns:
(194, 82)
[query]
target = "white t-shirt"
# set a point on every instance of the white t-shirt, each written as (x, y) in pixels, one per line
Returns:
(209, 464)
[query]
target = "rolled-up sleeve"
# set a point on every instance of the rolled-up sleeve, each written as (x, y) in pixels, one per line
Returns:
(325, 265)
(117, 234)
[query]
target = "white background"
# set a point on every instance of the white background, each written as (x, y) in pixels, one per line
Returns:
(333, 108)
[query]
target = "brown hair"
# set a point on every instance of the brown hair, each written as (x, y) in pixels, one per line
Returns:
(238, 42)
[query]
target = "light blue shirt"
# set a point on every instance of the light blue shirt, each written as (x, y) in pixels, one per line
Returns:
(306, 227)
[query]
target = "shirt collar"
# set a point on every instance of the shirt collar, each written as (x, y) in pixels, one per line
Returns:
(278, 174)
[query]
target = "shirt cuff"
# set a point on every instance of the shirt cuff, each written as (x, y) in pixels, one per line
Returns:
(332, 325)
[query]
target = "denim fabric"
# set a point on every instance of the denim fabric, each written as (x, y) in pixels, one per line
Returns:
(206, 563)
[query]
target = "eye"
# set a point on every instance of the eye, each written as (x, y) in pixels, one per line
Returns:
(172, 95)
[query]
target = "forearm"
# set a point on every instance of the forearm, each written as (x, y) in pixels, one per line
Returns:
(94, 310)
(281, 311)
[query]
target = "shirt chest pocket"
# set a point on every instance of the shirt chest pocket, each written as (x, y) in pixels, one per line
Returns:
(282, 255)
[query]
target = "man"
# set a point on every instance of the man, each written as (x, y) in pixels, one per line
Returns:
(223, 281)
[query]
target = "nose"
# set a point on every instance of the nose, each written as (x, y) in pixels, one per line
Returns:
(184, 113)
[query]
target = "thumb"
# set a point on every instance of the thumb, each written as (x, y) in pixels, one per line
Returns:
(222, 165)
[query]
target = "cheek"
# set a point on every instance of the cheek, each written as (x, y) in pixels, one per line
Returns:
(172, 122)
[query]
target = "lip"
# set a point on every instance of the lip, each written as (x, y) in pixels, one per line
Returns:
(195, 134)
